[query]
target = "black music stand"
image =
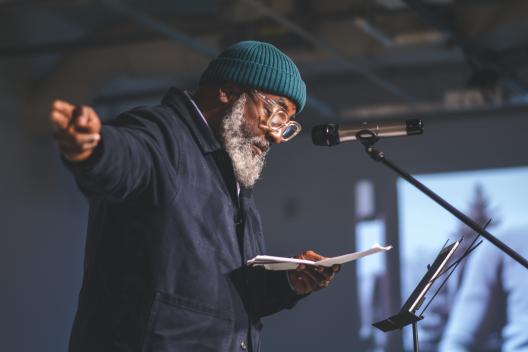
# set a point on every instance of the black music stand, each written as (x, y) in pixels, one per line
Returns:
(407, 314)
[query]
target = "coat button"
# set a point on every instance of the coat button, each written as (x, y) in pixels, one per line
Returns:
(238, 220)
(243, 345)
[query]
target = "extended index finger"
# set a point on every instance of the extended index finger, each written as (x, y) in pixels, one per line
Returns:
(59, 120)
(63, 107)
(61, 114)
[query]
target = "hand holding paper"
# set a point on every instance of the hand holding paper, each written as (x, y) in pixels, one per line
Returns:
(283, 263)
(309, 278)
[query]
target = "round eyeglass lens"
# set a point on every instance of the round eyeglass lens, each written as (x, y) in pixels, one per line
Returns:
(278, 119)
(289, 131)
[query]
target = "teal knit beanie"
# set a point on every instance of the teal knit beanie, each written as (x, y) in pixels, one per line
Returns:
(260, 66)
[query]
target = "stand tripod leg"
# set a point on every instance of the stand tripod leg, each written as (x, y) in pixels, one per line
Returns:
(415, 336)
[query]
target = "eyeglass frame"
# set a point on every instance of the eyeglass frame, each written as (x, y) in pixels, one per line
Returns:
(273, 108)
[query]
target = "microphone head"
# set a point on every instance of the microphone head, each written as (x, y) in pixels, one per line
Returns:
(414, 126)
(325, 134)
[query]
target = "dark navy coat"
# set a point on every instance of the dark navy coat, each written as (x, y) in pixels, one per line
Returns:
(164, 269)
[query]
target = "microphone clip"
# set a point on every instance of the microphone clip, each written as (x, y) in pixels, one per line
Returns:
(368, 139)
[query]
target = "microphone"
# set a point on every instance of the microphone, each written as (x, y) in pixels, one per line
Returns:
(332, 134)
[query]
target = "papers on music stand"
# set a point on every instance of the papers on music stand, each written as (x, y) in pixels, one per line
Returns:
(282, 263)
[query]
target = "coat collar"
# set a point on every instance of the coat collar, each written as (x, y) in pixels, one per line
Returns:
(185, 109)
(207, 141)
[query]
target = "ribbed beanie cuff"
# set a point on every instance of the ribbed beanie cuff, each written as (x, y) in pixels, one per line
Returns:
(260, 66)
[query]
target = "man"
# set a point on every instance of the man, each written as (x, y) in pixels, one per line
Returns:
(172, 219)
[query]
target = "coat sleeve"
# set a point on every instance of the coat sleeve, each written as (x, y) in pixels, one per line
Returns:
(127, 162)
(270, 291)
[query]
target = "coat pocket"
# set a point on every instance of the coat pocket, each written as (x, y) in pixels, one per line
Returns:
(182, 324)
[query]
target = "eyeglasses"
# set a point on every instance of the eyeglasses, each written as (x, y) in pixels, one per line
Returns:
(278, 120)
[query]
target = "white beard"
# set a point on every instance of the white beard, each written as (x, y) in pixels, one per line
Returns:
(247, 164)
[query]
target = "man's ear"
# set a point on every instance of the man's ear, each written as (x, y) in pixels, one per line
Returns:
(223, 96)
(227, 93)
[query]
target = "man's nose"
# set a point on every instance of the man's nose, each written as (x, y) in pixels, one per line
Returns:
(274, 136)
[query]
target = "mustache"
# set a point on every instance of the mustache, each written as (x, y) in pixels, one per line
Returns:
(262, 144)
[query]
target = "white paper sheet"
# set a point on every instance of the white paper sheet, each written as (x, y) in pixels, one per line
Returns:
(282, 263)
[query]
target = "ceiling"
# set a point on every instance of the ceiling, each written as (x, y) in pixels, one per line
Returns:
(361, 59)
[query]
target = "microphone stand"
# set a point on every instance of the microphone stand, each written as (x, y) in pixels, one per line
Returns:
(369, 138)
